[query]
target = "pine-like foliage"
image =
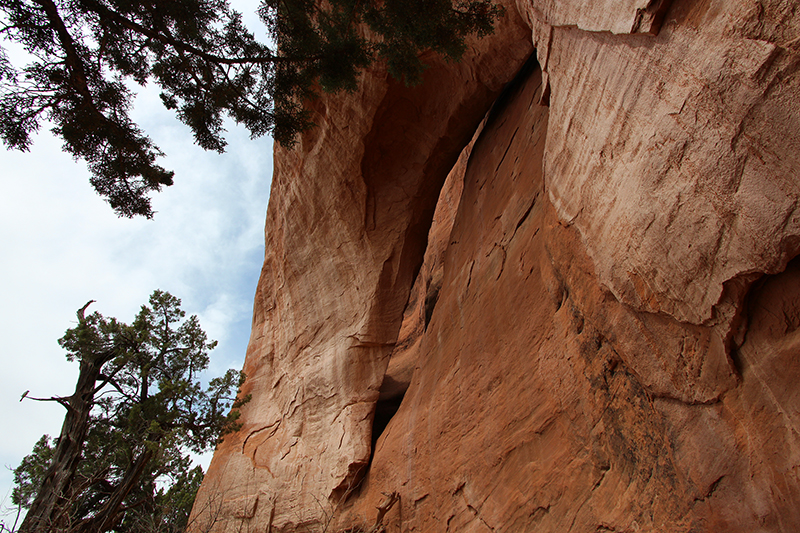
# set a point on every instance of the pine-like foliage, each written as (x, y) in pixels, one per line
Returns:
(162, 507)
(121, 461)
(207, 64)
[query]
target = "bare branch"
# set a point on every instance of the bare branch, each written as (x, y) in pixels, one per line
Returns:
(82, 310)
(63, 401)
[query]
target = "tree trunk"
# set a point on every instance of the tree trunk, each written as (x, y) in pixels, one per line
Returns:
(107, 517)
(50, 510)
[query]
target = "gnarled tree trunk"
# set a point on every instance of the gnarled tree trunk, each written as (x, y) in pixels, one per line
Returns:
(50, 510)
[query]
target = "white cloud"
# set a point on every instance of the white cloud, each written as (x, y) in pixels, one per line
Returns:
(61, 245)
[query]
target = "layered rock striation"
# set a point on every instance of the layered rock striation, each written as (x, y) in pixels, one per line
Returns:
(553, 288)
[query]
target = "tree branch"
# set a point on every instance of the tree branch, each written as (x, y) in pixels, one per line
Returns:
(105, 12)
(82, 310)
(107, 515)
(72, 60)
(63, 401)
(113, 382)
(107, 378)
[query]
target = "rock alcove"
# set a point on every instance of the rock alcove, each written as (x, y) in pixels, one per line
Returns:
(595, 330)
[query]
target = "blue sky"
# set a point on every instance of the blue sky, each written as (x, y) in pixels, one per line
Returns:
(62, 245)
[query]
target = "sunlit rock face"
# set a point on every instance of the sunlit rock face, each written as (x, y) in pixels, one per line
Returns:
(550, 289)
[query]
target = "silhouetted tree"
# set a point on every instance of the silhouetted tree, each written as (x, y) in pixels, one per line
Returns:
(85, 53)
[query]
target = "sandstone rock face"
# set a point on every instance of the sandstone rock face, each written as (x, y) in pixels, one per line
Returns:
(596, 328)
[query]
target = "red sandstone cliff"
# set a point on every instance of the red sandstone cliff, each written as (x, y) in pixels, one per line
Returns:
(596, 329)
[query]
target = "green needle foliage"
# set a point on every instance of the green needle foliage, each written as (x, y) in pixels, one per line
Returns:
(86, 53)
(165, 509)
(121, 460)
(29, 474)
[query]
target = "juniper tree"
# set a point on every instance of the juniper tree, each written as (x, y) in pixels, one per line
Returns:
(85, 54)
(165, 510)
(137, 409)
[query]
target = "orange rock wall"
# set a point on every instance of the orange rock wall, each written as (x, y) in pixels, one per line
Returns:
(594, 330)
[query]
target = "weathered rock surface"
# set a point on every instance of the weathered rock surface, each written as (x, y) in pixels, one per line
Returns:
(596, 329)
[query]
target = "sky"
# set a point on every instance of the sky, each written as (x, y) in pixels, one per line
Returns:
(61, 245)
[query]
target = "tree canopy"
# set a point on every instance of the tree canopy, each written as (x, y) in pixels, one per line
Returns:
(120, 462)
(161, 508)
(85, 54)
